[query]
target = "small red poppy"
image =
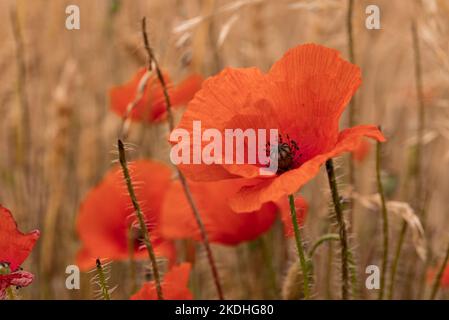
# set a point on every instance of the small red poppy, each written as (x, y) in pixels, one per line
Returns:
(15, 247)
(151, 107)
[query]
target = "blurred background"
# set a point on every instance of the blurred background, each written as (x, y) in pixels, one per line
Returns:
(57, 133)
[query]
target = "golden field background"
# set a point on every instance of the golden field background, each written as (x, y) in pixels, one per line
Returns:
(57, 134)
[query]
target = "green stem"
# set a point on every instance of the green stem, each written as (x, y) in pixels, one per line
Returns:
(396, 259)
(323, 239)
(102, 281)
(380, 190)
(342, 229)
(299, 245)
(143, 227)
(437, 281)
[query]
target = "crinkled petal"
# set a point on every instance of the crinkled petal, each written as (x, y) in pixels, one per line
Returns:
(15, 246)
(251, 198)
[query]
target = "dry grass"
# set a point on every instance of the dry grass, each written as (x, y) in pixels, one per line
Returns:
(72, 133)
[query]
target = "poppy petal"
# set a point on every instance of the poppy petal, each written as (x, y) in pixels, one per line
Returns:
(15, 246)
(251, 198)
(222, 225)
(314, 86)
(221, 97)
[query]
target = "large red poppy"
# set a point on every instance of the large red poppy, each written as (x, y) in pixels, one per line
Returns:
(302, 96)
(151, 107)
(15, 247)
(174, 285)
(106, 215)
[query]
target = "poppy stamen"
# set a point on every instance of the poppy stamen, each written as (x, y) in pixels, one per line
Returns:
(288, 153)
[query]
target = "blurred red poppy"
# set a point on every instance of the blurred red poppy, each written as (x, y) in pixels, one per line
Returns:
(106, 215)
(223, 225)
(174, 285)
(303, 97)
(432, 272)
(15, 247)
(151, 107)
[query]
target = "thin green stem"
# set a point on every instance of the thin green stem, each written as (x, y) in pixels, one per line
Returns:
(437, 281)
(300, 247)
(143, 227)
(397, 256)
(188, 193)
(323, 239)
(380, 190)
(102, 282)
(342, 229)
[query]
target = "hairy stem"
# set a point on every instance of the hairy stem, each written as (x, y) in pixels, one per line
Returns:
(102, 281)
(342, 229)
(171, 125)
(323, 239)
(140, 218)
(300, 247)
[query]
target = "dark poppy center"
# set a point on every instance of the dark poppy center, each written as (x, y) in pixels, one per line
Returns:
(288, 153)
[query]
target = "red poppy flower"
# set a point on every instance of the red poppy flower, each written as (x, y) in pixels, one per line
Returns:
(174, 285)
(223, 225)
(106, 215)
(302, 96)
(151, 107)
(15, 247)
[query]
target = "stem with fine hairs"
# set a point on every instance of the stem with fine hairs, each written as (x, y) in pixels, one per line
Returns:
(437, 281)
(102, 281)
(303, 260)
(380, 190)
(171, 125)
(342, 229)
(140, 218)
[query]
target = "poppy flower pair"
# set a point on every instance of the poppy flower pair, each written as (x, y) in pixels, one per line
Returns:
(302, 96)
(15, 247)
